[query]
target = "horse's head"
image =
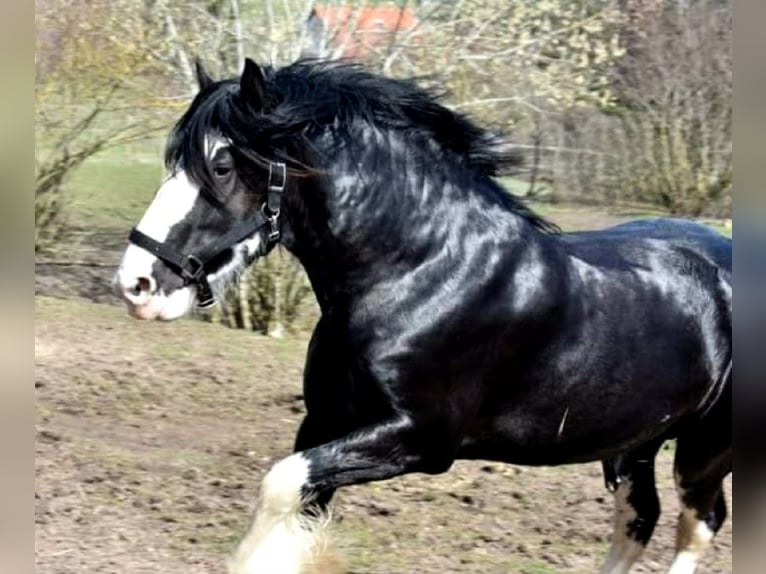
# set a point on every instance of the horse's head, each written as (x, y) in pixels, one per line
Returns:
(216, 211)
(355, 154)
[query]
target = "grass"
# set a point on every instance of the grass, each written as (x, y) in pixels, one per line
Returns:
(114, 188)
(569, 211)
(537, 567)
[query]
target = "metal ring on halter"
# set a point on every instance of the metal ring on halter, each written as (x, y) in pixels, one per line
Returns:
(195, 271)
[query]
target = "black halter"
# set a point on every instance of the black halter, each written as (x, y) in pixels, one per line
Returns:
(191, 267)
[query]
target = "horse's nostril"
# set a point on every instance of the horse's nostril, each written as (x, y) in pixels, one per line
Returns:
(138, 291)
(143, 285)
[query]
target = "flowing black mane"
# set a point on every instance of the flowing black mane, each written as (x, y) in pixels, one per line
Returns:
(306, 97)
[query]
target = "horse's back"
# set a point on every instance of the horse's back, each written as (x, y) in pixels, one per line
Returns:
(682, 232)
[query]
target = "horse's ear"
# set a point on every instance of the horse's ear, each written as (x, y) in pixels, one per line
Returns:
(203, 79)
(251, 85)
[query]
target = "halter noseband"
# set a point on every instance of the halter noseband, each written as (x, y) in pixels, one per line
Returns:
(191, 267)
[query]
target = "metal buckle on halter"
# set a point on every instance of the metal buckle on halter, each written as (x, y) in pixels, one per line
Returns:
(273, 218)
(271, 208)
(279, 186)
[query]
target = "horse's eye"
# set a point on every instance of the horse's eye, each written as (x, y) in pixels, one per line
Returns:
(222, 170)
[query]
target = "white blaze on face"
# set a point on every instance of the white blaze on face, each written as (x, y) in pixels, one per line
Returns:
(172, 203)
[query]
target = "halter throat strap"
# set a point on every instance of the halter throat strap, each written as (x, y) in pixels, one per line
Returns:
(192, 267)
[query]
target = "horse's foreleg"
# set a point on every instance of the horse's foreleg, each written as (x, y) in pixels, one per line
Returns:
(637, 507)
(283, 538)
(287, 534)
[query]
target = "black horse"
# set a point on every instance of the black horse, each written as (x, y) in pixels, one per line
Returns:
(455, 323)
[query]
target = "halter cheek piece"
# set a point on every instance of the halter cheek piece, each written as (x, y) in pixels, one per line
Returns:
(192, 267)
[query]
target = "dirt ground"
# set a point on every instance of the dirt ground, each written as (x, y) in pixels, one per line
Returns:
(152, 440)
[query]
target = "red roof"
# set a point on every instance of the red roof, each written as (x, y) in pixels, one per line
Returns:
(360, 28)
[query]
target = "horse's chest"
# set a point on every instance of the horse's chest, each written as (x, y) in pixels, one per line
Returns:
(333, 389)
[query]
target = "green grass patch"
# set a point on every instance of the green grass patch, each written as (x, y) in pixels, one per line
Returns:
(114, 188)
(537, 567)
(722, 228)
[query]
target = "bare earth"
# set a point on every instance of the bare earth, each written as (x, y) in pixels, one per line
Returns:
(152, 440)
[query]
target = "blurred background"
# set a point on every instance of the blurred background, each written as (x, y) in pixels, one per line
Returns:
(622, 106)
(152, 438)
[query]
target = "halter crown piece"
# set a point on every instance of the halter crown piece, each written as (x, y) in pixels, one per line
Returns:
(192, 266)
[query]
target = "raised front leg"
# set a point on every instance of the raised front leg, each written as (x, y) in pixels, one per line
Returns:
(287, 536)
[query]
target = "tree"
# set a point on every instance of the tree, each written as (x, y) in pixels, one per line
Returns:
(88, 60)
(613, 99)
(666, 139)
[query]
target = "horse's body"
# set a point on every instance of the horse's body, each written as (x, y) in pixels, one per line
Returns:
(581, 326)
(456, 323)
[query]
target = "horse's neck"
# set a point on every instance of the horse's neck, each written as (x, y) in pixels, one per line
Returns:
(387, 209)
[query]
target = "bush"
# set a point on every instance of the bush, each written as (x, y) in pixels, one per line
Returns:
(273, 296)
(667, 138)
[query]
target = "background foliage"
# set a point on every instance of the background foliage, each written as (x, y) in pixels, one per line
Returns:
(614, 101)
